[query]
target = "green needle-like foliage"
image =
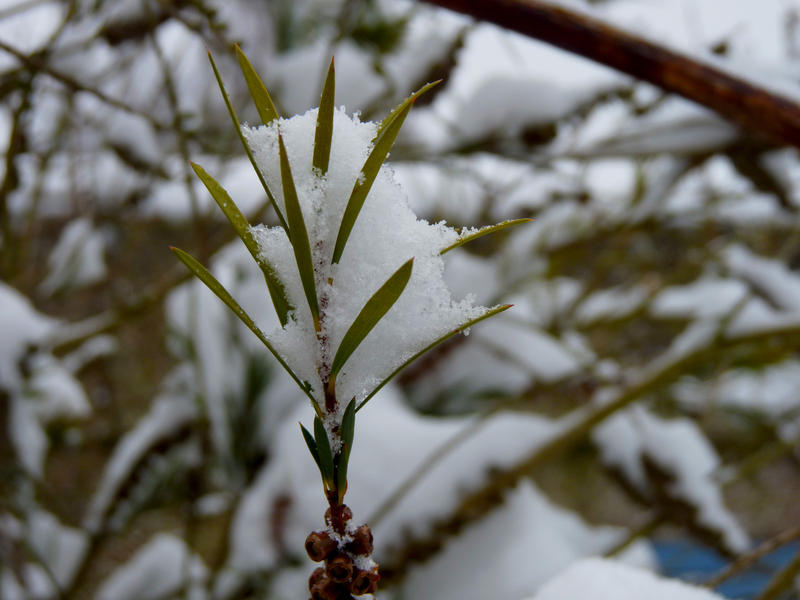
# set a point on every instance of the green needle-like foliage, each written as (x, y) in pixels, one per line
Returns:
(324, 132)
(373, 311)
(277, 290)
(298, 235)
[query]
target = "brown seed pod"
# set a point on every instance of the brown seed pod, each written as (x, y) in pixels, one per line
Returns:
(362, 542)
(365, 582)
(320, 546)
(317, 576)
(340, 568)
(330, 590)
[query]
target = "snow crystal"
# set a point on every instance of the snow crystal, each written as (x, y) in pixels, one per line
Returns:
(601, 579)
(386, 234)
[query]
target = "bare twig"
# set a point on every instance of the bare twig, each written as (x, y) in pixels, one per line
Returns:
(782, 580)
(745, 561)
(751, 107)
(36, 64)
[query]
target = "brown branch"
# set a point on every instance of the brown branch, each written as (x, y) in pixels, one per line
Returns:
(746, 561)
(36, 65)
(751, 107)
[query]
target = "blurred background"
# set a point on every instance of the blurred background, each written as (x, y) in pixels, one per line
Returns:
(641, 400)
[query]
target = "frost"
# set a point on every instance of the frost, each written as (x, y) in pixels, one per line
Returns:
(386, 235)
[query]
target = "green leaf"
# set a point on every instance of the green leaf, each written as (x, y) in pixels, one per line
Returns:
(258, 91)
(405, 104)
(347, 433)
(238, 128)
(312, 445)
(324, 131)
(369, 172)
(373, 311)
(325, 453)
(436, 342)
(482, 232)
(277, 291)
(298, 234)
(215, 286)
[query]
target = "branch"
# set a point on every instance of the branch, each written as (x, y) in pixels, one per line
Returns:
(660, 372)
(749, 106)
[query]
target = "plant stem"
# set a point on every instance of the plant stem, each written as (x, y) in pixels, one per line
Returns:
(749, 106)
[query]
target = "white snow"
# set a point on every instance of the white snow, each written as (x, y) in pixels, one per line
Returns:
(22, 326)
(610, 304)
(162, 567)
(703, 298)
(773, 279)
(601, 579)
(679, 447)
(62, 549)
(168, 414)
(508, 554)
(386, 234)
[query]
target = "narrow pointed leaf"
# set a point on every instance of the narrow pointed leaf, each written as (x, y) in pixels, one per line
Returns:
(324, 131)
(324, 450)
(215, 286)
(347, 433)
(436, 342)
(258, 91)
(373, 311)
(298, 234)
(482, 232)
(312, 444)
(277, 291)
(369, 172)
(238, 128)
(405, 104)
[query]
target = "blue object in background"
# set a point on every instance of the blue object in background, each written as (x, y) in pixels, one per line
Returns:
(694, 562)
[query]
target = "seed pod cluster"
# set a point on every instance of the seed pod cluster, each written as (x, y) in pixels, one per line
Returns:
(341, 578)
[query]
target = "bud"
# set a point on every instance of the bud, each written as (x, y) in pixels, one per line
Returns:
(317, 576)
(362, 542)
(340, 568)
(365, 582)
(319, 545)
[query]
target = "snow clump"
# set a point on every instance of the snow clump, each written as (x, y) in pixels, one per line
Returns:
(386, 234)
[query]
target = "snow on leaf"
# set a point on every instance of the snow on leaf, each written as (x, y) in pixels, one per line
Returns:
(386, 235)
